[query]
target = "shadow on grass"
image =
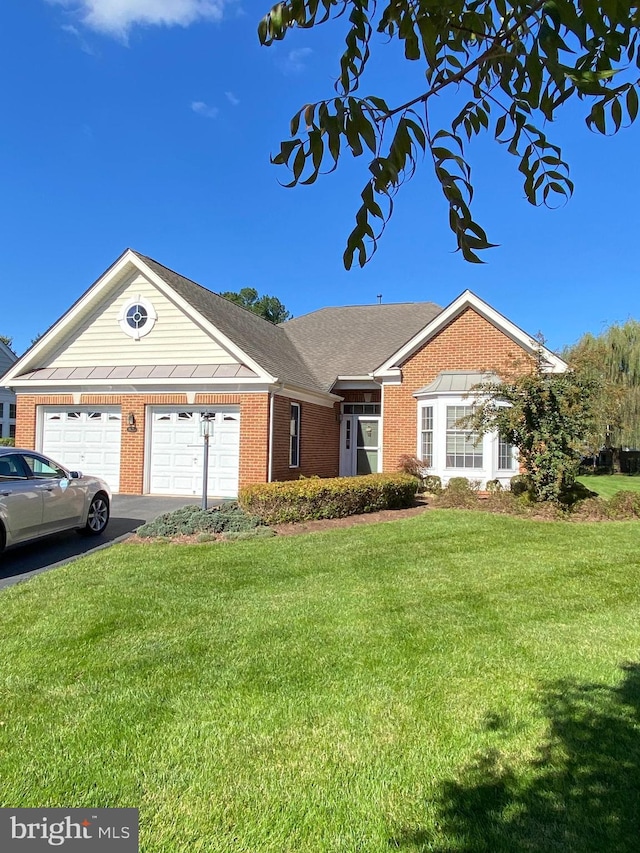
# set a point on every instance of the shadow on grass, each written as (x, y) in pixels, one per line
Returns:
(581, 794)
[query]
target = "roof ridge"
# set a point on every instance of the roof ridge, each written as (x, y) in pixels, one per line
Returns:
(202, 286)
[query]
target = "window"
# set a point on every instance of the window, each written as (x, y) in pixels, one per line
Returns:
(505, 455)
(361, 408)
(464, 448)
(43, 469)
(294, 436)
(426, 436)
(137, 318)
(11, 468)
(12, 411)
(12, 430)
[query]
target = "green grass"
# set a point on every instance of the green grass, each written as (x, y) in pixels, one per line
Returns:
(454, 682)
(607, 485)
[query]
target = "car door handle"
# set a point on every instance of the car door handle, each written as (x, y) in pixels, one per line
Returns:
(4, 494)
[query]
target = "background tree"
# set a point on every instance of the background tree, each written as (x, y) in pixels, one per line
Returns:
(547, 416)
(506, 66)
(268, 307)
(7, 341)
(612, 360)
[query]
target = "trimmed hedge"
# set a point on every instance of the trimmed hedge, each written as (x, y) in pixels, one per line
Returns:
(7, 442)
(334, 497)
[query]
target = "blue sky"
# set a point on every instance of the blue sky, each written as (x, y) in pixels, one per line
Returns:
(149, 123)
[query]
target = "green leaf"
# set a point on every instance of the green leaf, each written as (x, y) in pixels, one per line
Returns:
(632, 103)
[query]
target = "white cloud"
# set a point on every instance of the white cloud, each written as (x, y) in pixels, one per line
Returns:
(295, 61)
(116, 17)
(75, 33)
(232, 99)
(202, 109)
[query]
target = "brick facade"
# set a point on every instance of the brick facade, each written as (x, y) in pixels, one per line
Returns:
(254, 421)
(319, 440)
(469, 342)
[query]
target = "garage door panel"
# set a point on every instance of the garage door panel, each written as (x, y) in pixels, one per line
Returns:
(88, 441)
(176, 456)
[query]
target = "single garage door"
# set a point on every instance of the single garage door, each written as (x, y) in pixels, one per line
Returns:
(176, 456)
(85, 440)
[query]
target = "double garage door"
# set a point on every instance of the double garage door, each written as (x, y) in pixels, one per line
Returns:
(90, 441)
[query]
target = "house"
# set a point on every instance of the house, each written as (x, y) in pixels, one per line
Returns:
(120, 384)
(7, 397)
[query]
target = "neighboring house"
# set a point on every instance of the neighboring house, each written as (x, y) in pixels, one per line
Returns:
(118, 386)
(7, 397)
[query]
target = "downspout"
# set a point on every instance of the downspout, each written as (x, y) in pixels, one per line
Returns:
(270, 459)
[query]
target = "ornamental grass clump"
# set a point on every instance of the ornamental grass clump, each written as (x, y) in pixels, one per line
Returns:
(333, 497)
(229, 517)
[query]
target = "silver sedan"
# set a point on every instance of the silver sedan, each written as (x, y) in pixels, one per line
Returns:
(38, 497)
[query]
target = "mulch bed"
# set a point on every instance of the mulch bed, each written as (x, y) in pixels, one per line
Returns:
(351, 520)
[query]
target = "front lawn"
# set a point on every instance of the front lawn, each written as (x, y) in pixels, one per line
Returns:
(607, 485)
(454, 682)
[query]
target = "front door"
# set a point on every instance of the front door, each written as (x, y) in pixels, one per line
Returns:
(360, 445)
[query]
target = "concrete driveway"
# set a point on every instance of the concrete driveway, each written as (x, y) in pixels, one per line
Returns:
(127, 513)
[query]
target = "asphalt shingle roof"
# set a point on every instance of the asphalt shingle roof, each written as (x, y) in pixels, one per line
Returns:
(266, 343)
(367, 334)
(310, 351)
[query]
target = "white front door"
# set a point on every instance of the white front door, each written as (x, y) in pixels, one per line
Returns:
(359, 445)
(176, 453)
(86, 440)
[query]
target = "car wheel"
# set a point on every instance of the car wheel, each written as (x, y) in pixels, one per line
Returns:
(98, 515)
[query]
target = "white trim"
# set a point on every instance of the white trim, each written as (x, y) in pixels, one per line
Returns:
(170, 408)
(381, 433)
(141, 387)
(467, 299)
(488, 442)
(152, 316)
(110, 278)
(296, 435)
(272, 397)
(326, 400)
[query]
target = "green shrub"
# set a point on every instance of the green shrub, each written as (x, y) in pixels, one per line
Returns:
(432, 484)
(7, 442)
(575, 493)
(229, 517)
(494, 486)
(521, 484)
(335, 497)
(624, 505)
(459, 493)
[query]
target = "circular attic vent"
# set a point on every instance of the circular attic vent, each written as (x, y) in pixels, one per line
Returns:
(137, 318)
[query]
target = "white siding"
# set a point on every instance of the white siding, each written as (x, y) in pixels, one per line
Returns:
(175, 338)
(7, 398)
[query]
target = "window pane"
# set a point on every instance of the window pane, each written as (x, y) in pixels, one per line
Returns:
(41, 468)
(505, 455)
(12, 411)
(426, 445)
(294, 435)
(464, 449)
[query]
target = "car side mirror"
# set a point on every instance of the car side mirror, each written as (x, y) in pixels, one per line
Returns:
(75, 475)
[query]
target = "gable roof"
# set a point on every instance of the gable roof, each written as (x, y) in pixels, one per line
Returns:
(7, 358)
(468, 299)
(265, 342)
(368, 334)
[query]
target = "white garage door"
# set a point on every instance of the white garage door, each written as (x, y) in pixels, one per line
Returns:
(83, 440)
(176, 458)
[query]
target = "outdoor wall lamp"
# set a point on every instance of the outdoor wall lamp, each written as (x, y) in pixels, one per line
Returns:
(367, 396)
(131, 420)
